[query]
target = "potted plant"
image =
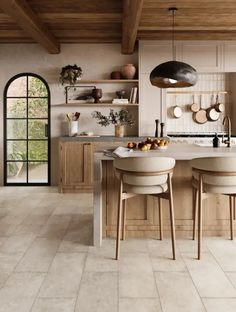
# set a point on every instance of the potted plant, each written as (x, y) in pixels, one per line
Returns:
(70, 73)
(118, 119)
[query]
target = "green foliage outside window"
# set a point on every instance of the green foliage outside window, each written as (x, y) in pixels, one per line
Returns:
(37, 108)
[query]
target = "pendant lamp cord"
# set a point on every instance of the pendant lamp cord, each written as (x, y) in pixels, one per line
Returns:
(173, 10)
(173, 34)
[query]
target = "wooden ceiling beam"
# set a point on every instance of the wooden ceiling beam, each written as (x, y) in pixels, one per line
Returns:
(132, 10)
(30, 23)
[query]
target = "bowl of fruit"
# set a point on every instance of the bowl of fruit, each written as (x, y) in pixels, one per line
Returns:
(150, 144)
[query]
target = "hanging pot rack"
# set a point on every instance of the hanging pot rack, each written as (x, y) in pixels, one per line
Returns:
(197, 92)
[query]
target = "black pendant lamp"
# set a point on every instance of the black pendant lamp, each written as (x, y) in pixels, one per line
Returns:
(173, 74)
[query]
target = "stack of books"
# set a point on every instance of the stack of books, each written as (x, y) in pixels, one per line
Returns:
(133, 99)
(120, 101)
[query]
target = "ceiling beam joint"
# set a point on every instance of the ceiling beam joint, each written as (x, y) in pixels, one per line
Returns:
(132, 10)
(23, 15)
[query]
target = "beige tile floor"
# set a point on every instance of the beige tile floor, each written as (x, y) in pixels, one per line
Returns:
(47, 263)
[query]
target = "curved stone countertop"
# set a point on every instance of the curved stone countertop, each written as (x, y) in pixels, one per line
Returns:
(177, 151)
(102, 138)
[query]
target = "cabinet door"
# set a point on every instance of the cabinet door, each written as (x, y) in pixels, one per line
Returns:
(230, 57)
(76, 165)
(155, 53)
(150, 107)
(203, 56)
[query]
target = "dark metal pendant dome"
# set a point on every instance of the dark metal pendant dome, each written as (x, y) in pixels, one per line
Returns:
(173, 74)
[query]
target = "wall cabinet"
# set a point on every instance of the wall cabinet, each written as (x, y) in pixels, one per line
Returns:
(205, 56)
(230, 57)
(150, 109)
(76, 166)
(154, 53)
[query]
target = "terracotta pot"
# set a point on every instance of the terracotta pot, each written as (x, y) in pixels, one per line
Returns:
(128, 71)
(115, 75)
(119, 130)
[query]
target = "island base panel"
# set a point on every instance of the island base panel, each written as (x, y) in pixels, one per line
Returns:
(142, 213)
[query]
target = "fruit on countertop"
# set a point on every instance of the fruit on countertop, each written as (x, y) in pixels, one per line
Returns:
(154, 145)
(142, 146)
(149, 140)
(149, 144)
(131, 145)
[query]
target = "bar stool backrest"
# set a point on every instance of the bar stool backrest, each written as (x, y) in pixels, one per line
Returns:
(215, 170)
(144, 171)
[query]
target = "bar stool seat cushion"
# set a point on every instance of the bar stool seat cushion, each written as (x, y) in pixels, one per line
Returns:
(142, 189)
(212, 188)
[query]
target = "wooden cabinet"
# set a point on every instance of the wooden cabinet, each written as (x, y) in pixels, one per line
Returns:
(76, 166)
(203, 56)
(230, 57)
(152, 98)
(142, 218)
(154, 53)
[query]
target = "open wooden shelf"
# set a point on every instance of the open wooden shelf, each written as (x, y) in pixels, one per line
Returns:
(107, 81)
(95, 104)
(197, 92)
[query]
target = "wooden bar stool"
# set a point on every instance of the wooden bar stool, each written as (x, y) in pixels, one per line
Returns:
(144, 175)
(212, 175)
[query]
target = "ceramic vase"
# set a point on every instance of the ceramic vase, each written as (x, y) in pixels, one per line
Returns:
(97, 94)
(73, 128)
(128, 71)
(119, 130)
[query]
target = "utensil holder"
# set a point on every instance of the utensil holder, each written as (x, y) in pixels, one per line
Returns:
(73, 128)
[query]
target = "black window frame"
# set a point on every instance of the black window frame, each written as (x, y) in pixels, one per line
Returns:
(5, 98)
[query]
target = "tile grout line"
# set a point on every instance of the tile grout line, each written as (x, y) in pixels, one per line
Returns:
(194, 283)
(222, 269)
(154, 276)
(46, 273)
(14, 269)
(81, 280)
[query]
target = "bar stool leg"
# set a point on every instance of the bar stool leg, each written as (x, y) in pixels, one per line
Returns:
(124, 219)
(195, 205)
(234, 206)
(160, 218)
(172, 219)
(119, 220)
(231, 206)
(200, 217)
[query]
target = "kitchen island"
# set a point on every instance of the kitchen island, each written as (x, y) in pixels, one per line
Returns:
(142, 215)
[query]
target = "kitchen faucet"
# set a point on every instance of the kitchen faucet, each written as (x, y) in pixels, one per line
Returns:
(228, 132)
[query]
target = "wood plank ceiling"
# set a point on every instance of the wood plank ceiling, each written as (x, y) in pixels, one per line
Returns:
(51, 22)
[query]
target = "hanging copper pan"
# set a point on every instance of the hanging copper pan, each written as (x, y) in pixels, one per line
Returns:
(195, 106)
(200, 116)
(212, 114)
(219, 107)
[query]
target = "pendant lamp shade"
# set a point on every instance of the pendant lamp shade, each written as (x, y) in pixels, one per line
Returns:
(173, 74)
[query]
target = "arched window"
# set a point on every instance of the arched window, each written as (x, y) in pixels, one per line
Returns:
(26, 131)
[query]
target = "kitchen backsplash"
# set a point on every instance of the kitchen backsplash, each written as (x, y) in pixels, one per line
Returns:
(206, 83)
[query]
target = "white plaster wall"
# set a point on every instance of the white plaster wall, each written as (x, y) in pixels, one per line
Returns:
(97, 62)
